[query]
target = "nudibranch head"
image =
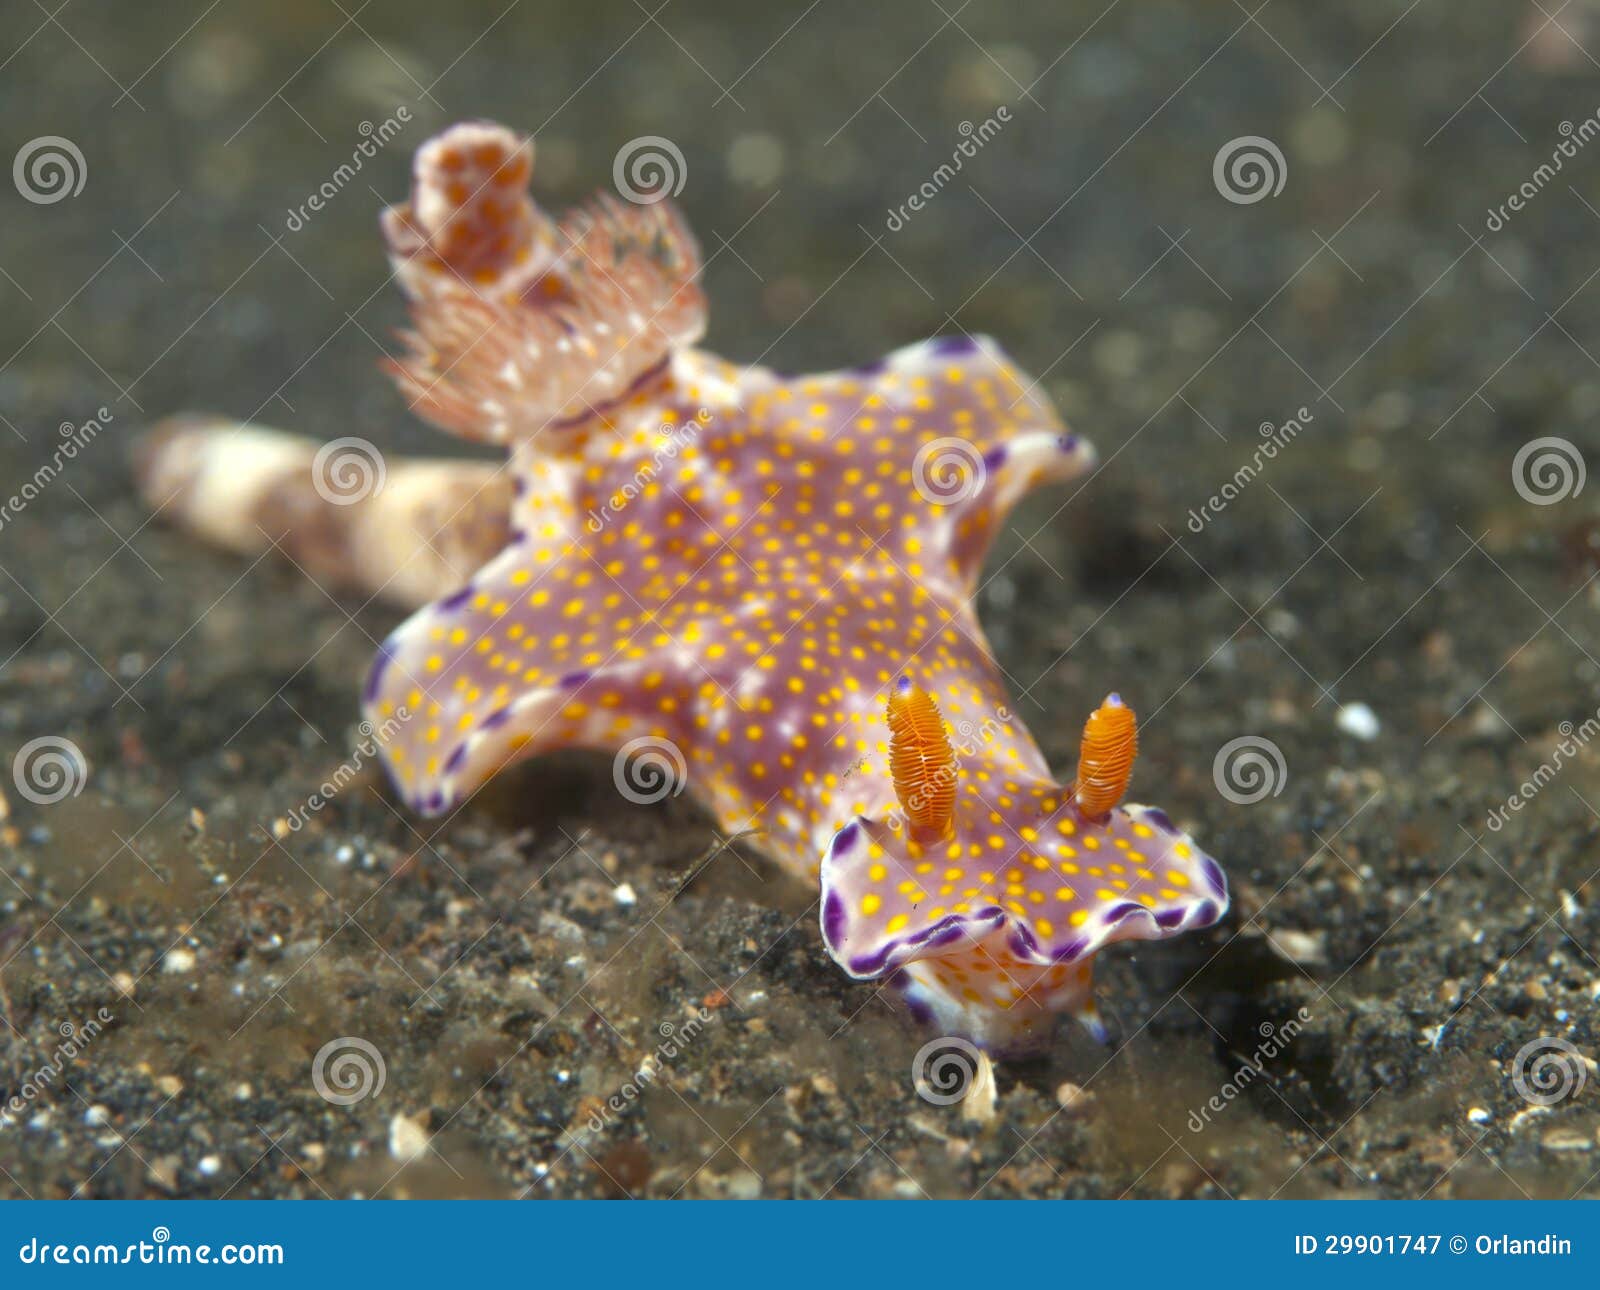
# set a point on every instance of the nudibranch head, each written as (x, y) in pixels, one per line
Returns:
(990, 929)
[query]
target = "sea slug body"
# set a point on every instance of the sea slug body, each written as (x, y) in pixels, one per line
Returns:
(762, 585)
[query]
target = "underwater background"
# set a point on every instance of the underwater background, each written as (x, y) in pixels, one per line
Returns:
(1364, 234)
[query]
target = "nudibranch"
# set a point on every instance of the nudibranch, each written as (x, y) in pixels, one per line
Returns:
(761, 583)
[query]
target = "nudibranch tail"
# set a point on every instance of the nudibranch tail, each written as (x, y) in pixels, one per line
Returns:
(921, 760)
(1105, 757)
(527, 327)
(408, 531)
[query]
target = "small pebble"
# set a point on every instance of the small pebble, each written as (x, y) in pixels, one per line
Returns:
(209, 1166)
(1479, 1115)
(1299, 947)
(744, 1185)
(408, 1139)
(1359, 720)
(1070, 1097)
(756, 160)
(163, 1172)
(624, 894)
(179, 961)
(979, 1104)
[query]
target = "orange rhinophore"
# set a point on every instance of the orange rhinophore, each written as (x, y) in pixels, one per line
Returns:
(920, 759)
(1105, 758)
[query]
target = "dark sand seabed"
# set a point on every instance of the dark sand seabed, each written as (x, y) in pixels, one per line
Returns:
(1384, 557)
